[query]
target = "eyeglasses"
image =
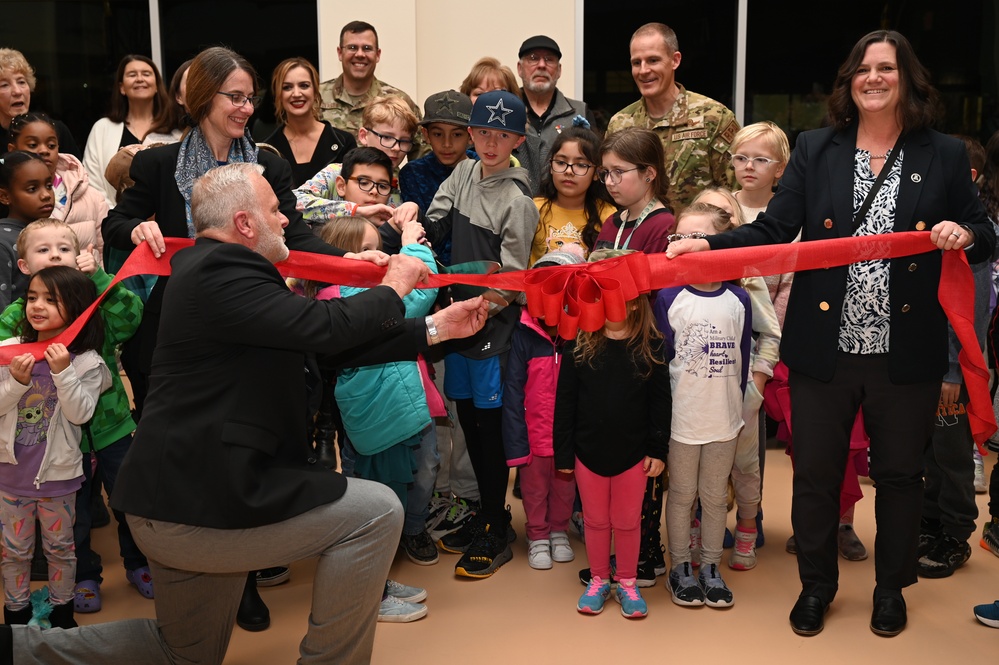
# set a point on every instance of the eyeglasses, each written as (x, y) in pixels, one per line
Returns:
(759, 163)
(614, 176)
(579, 168)
(696, 235)
(239, 100)
(367, 184)
(354, 48)
(390, 141)
(535, 58)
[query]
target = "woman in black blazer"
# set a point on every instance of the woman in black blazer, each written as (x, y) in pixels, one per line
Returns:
(220, 97)
(871, 334)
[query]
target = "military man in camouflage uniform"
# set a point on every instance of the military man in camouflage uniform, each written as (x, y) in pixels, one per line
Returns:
(344, 98)
(696, 131)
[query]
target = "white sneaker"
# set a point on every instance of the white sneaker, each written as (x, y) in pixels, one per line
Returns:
(561, 549)
(393, 610)
(981, 485)
(539, 554)
(407, 594)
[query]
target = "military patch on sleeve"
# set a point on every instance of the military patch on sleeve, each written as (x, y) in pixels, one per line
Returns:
(728, 134)
(690, 134)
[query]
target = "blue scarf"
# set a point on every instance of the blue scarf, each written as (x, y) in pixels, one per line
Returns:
(196, 159)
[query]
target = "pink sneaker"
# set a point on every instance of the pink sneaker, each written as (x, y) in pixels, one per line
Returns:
(744, 555)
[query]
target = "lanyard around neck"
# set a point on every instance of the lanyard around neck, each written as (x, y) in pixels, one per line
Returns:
(641, 218)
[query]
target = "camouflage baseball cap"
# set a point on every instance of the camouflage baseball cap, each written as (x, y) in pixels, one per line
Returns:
(500, 110)
(448, 106)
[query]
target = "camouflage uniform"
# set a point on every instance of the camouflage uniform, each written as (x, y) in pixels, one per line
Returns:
(341, 112)
(696, 134)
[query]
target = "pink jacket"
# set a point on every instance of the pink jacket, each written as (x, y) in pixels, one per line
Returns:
(529, 392)
(85, 207)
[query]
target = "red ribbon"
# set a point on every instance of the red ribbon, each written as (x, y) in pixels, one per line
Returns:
(583, 297)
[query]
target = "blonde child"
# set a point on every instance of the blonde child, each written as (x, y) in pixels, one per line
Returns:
(43, 405)
(760, 153)
(611, 430)
(708, 334)
(749, 453)
(573, 203)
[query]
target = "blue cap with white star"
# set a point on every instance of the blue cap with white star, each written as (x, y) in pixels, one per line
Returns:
(500, 110)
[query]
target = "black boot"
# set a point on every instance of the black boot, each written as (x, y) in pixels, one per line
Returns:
(62, 616)
(253, 614)
(17, 617)
(325, 430)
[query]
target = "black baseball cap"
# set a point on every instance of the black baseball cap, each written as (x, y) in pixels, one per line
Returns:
(540, 41)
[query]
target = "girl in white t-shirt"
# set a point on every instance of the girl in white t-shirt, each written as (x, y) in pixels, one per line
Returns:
(707, 330)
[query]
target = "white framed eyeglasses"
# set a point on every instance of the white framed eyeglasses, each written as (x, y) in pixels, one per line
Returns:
(759, 163)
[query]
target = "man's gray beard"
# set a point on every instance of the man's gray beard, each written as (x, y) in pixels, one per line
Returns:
(540, 88)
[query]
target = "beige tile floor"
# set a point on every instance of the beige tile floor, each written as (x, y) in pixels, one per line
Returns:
(526, 615)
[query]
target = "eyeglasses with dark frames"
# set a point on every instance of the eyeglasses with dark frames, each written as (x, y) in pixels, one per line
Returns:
(578, 169)
(391, 142)
(367, 184)
(239, 100)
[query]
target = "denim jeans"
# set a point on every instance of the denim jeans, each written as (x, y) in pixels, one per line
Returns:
(428, 461)
(109, 460)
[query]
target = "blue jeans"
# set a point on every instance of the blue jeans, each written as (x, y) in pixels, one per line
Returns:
(428, 462)
(88, 566)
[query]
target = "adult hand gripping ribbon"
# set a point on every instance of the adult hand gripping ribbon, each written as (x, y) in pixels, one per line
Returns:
(582, 297)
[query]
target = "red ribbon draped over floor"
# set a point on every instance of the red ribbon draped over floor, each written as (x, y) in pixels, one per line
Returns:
(582, 297)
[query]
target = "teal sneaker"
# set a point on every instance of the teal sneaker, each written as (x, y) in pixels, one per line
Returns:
(632, 604)
(593, 599)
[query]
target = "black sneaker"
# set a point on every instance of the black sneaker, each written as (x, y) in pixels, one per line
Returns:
(490, 550)
(458, 541)
(948, 555)
(927, 541)
(420, 549)
(646, 576)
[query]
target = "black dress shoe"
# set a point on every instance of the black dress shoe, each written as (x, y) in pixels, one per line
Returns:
(807, 615)
(253, 614)
(888, 618)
